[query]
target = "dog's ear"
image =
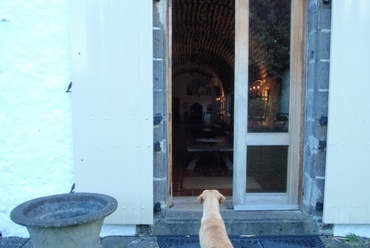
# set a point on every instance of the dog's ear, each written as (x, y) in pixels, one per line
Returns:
(200, 198)
(221, 199)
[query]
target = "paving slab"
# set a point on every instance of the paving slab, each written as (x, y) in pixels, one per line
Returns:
(15, 242)
(130, 241)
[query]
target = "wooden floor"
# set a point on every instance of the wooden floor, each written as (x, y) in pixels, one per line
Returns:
(267, 165)
(209, 165)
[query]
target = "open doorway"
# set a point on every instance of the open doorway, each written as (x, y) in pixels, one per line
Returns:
(236, 72)
(202, 81)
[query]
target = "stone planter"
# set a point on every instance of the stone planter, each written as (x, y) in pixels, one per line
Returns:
(66, 220)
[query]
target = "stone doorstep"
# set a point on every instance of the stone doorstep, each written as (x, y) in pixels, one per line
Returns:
(184, 218)
(240, 227)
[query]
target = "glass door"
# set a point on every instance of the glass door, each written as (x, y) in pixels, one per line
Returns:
(268, 75)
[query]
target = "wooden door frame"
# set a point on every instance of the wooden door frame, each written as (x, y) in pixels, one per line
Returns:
(264, 201)
(169, 101)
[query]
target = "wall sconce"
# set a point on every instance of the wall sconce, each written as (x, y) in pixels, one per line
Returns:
(255, 90)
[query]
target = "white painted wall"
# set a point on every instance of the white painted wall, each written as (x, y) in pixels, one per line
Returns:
(35, 110)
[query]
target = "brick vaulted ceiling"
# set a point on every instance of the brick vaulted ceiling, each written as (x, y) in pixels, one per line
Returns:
(203, 38)
(203, 33)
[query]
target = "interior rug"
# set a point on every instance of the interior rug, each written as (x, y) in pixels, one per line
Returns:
(296, 241)
(217, 183)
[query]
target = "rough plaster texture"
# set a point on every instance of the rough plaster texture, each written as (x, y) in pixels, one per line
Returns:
(35, 116)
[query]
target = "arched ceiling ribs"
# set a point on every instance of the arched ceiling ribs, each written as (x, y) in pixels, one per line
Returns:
(203, 39)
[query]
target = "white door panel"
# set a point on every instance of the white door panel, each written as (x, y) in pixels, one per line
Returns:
(113, 104)
(347, 183)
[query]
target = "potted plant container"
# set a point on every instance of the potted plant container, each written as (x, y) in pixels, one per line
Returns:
(65, 220)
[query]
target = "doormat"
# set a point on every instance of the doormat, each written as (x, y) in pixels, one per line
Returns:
(217, 183)
(296, 241)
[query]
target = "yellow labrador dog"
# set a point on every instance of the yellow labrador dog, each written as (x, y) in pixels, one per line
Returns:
(212, 233)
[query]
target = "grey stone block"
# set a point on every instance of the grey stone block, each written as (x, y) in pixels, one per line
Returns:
(322, 75)
(324, 21)
(156, 17)
(160, 171)
(160, 187)
(323, 45)
(159, 43)
(321, 104)
(159, 74)
(159, 102)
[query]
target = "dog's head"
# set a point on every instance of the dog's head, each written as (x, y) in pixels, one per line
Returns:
(211, 193)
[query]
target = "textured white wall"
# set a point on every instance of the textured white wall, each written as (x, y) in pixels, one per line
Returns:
(35, 110)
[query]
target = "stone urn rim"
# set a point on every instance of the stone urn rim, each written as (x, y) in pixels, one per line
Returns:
(63, 210)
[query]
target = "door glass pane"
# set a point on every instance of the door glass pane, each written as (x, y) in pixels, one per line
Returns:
(269, 59)
(267, 169)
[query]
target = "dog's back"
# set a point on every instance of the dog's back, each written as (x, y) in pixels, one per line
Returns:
(212, 233)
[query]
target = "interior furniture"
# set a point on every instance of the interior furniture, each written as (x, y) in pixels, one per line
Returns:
(202, 145)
